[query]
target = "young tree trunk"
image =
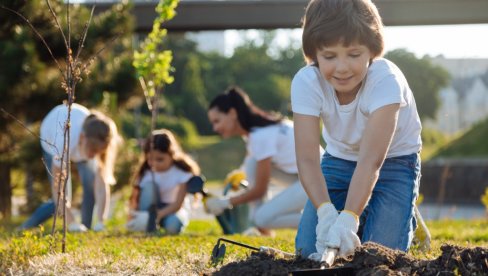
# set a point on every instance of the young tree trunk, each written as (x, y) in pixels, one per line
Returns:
(5, 191)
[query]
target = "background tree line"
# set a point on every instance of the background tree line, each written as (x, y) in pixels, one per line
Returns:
(30, 85)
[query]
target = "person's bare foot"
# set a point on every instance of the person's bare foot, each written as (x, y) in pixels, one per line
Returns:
(267, 232)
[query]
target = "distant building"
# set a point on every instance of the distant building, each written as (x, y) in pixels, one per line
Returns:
(465, 101)
(462, 67)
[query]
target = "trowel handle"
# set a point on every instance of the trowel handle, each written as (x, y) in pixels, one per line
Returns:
(329, 256)
(274, 251)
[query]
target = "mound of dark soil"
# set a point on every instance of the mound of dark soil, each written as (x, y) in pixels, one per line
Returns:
(372, 259)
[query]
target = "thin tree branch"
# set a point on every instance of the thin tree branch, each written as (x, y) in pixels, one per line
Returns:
(57, 23)
(81, 43)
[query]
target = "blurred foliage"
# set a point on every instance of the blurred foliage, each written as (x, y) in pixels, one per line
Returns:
(484, 200)
(220, 157)
(424, 78)
(132, 125)
(432, 141)
(30, 79)
(470, 144)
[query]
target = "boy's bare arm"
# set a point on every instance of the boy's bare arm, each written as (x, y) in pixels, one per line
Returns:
(374, 146)
(307, 147)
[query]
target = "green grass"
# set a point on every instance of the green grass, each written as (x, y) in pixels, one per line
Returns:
(117, 251)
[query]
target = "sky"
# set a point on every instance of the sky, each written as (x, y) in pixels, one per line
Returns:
(451, 41)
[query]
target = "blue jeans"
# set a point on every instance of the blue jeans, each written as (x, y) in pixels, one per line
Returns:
(388, 218)
(171, 223)
(87, 171)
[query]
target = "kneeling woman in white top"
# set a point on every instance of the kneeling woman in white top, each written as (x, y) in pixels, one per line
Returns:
(161, 180)
(270, 157)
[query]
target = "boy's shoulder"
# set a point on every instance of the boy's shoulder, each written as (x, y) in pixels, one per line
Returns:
(308, 71)
(382, 67)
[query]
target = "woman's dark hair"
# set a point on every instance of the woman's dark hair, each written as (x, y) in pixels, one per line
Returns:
(248, 114)
(164, 141)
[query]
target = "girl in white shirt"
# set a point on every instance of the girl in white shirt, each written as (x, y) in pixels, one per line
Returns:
(161, 180)
(92, 148)
(270, 157)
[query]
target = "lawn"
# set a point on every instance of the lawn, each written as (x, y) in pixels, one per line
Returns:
(118, 252)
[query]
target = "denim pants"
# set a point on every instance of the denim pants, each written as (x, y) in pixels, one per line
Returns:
(86, 171)
(388, 218)
(173, 223)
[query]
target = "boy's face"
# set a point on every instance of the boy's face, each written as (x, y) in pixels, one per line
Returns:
(345, 68)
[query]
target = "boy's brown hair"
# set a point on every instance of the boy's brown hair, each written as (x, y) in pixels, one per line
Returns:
(328, 22)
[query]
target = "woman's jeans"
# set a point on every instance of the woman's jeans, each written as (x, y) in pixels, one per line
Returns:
(86, 171)
(173, 223)
(388, 218)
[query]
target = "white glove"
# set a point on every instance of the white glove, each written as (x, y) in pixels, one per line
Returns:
(139, 221)
(342, 234)
(327, 215)
(216, 205)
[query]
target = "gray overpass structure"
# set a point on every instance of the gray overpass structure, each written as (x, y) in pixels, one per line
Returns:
(196, 15)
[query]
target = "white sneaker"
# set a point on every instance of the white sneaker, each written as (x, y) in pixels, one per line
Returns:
(77, 227)
(99, 227)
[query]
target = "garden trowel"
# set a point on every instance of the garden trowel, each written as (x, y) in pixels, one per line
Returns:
(218, 251)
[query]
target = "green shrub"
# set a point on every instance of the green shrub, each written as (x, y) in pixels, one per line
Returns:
(132, 127)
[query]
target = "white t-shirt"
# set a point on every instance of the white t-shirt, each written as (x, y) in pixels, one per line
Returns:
(344, 125)
(52, 131)
(276, 141)
(167, 182)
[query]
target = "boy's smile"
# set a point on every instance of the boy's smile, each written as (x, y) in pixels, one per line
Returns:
(344, 67)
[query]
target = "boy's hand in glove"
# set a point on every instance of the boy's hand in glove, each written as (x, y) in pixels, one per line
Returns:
(216, 205)
(327, 215)
(343, 234)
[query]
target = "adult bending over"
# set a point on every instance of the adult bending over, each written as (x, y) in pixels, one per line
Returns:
(270, 157)
(93, 148)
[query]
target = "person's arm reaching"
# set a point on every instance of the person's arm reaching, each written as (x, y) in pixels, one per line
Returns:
(373, 149)
(307, 147)
(174, 206)
(217, 205)
(374, 146)
(263, 175)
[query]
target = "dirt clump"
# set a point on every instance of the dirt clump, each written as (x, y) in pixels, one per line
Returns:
(372, 259)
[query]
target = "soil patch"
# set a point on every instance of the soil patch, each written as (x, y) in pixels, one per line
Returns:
(372, 259)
